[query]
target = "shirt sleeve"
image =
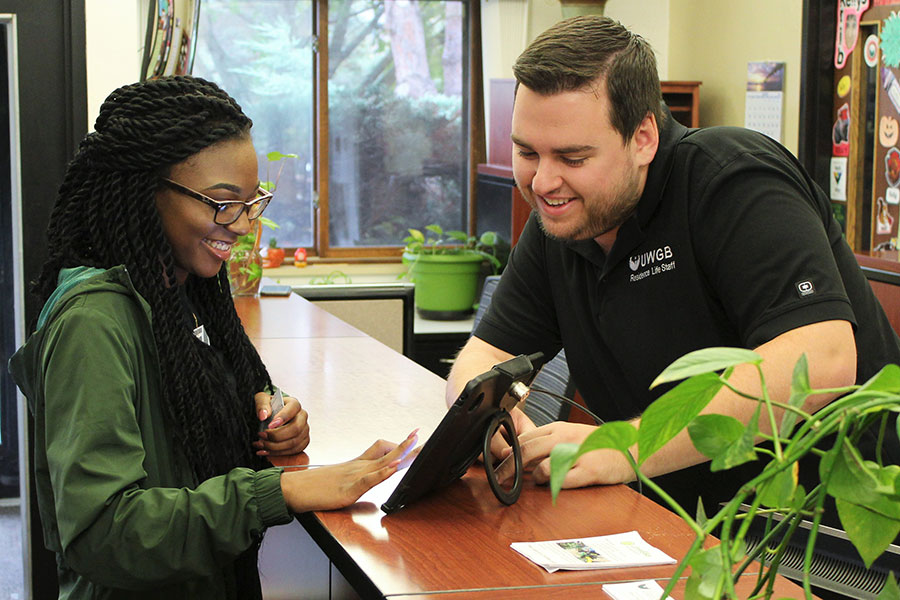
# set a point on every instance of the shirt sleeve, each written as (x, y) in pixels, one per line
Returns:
(764, 242)
(521, 317)
(113, 528)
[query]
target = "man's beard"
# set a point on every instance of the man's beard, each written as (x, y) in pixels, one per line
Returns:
(601, 218)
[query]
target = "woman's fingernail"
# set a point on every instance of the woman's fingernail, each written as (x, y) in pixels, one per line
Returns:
(263, 413)
(262, 453)
(275, 423)
(413, 434)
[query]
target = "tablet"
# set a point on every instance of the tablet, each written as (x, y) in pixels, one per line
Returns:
(459, 438)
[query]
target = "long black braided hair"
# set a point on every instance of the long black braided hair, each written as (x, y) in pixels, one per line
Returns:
(142, 131)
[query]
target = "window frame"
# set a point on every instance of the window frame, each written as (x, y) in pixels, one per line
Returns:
(473, 124)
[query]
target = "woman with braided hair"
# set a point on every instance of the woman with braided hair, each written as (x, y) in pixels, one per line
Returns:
(146, 392)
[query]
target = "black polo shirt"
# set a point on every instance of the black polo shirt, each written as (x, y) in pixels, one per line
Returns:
(732, 244)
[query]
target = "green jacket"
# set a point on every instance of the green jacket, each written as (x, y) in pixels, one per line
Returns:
(120, 506)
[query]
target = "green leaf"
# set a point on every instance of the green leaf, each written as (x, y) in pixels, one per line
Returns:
(562, 457)
(269, 186)
(276, 156)
(701, 513)
(459, 236)
(724, 439)
(885, 380)
(870, 532)
(435, 229)
(890, 591)
(863, 483)
(269, 223)
(778, 491)
(706, 360)
(707, 573)
(673, 411)
(615, 435)
(488, 238)
(743, 450)
(800, 390)
(712, 434)
(417, 235)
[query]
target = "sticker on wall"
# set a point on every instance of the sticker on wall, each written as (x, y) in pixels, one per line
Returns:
(887, 131)
(870, 50)
(838, 179)
(886, 2)
(884, 221)
(890, 40)
(889, 81)
(840, 133)
(892, 167)
(848, 16)
(843, 86)
(892, 196)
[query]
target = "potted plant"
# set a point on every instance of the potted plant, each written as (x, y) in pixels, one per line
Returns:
(246, 263)
(445, 266)
(866, 493)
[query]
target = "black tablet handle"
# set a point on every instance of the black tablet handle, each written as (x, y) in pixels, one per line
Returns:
(503, 418)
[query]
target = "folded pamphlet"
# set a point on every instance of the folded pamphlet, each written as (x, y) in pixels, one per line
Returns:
(616, 551)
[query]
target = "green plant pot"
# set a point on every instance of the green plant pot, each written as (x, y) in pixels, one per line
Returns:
(446, 284)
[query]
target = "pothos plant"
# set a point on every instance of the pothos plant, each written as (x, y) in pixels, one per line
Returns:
(866, 492)
(243, 263)
(440, 242)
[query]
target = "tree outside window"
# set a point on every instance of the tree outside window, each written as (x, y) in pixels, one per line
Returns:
(394, 115)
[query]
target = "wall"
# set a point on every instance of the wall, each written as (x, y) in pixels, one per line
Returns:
(115, 31)
(508, 26)
(712, 41)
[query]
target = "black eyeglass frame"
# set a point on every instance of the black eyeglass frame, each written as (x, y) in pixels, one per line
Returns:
(264, 196)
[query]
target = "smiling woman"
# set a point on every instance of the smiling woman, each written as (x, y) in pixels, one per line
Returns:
(165, 490)
(223, 172)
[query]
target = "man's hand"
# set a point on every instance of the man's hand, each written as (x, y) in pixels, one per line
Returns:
(500, 447)
(288, 433)
(593, 468)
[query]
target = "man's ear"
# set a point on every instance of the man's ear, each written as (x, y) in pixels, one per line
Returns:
(645, 141)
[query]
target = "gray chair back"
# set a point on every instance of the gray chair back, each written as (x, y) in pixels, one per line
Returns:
(553, 376)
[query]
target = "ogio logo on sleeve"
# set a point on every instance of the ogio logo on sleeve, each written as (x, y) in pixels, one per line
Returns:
(805, 288)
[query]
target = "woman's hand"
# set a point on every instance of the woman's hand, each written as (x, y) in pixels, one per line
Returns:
(288, 433)
(337, 486)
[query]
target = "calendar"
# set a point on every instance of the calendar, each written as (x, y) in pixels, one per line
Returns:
(765, 98)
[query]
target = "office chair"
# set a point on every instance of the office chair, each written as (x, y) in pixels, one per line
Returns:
(553, 376)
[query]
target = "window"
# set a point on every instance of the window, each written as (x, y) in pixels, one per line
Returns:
(376, 111)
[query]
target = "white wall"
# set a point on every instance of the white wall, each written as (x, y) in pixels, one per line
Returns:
(712, 41)
(115, 31)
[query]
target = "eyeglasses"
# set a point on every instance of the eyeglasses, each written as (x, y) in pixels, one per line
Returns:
(226, 211)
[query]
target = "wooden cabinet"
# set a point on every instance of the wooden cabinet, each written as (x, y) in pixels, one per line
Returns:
(683, 99)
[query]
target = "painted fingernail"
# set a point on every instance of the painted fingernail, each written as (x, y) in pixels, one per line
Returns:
(275, 423)
(263, 413)
(413, 434)
(262, 453)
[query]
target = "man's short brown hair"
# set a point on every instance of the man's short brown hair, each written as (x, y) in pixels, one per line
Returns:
(589, 51)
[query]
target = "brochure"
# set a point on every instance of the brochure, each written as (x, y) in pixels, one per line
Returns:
(603, 552)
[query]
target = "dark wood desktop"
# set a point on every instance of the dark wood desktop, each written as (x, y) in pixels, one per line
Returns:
(455, 542)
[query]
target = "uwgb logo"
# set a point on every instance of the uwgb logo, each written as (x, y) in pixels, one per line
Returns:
(639, 261)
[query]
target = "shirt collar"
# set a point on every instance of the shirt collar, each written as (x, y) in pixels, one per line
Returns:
(631, 233)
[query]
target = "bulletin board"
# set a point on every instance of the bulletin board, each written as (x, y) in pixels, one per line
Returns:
(864, 175)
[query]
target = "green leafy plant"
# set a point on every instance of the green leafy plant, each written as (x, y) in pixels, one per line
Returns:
(866, 493)
(438, 241)
(245, 264)
(331, 279)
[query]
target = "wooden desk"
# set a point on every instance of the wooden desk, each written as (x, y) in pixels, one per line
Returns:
(454, 543)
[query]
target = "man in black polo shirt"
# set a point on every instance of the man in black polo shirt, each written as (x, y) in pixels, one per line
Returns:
(649, 240)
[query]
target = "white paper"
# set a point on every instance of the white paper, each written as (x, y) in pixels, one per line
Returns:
(603, 552)
(635, 590)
